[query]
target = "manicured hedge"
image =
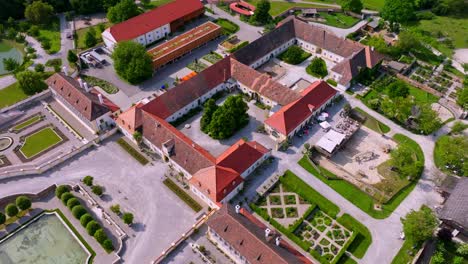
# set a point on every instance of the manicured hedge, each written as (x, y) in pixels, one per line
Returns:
(182, 195)
(85, 219)
(72, 203)
(92, 227)
(78, 211)
(133, 152)
(299, 221)
(363, 236)
(65, 197)
(61, 190)
(332, 82)
(295, 184)
(238, 47)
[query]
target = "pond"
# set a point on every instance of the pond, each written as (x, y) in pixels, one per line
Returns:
(7, 50)
(46, 240)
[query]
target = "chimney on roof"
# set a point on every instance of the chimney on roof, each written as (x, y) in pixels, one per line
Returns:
(65, 70)
(80, 81)
(101, 101)
(238, 209)
(86, 87)
(267, 232)
(278, 241)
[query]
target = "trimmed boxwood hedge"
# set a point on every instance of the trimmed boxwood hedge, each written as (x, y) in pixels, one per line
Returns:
(65, 197)
(72, 203)
(61, 190)
(133, 152)
(92, 227)
(78, 211)
(182, 195)
(85, 219)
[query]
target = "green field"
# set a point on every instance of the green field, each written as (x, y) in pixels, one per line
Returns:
(279, 7)
(454, 28)
(80, 33)
(228, 26)
(51, 33)
(339, 20)
(373, 123)
(11, 95)
(39, 142)
(156, 3)
(4, 47)
(28, 122)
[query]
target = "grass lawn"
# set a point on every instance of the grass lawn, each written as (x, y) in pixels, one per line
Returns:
(228, 26)
(338, 19)
(4, 47)
(39, 142)
(373, 123)
(363, 239)
(422, 96)
(453, 27)
(11, 95)
(28, 122)
(156, 3)
(197, 66)
(51, 32)
(279, 7)
(402, 256)
(212, 57)
(80, 33)
(373, 4)
(287, 59)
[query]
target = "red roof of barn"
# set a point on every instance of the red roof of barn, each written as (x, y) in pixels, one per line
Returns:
(241, 155)
(293, 114)
(153, 19)
(216, 181)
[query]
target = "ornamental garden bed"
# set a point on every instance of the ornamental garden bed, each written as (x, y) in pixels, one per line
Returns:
(30, 121)
(39, 142)
(312, 225)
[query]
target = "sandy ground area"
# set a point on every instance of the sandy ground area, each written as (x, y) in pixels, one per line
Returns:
(443, 112)
(361, 155)
(461, 55)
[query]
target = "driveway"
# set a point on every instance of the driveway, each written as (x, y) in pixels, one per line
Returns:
(7, 81)
(160, 216)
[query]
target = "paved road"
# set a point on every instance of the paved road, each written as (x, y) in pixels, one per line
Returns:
(6, 81)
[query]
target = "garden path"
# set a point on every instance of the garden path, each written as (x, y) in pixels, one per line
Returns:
(7, 81)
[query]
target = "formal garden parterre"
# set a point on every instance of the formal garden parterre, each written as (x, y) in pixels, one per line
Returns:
(316, 227)
(39, 142)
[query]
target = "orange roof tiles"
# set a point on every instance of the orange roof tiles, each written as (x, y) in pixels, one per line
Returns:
(241, 155)
(216, 181)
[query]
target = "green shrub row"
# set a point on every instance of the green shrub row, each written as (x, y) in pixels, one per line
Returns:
(299, 221)
(182, 195)
(133, 152)
(238, 47)
(297, 185)
(86, 220)
(363, 237)
(332, 82)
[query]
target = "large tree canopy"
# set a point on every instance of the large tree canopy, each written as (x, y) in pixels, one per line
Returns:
(400, 11)
(352, 5)
(86, 6)
(132, 62)
(419, 225)
(31, 82)
(39, 12)
(262, 15)
(122, 11)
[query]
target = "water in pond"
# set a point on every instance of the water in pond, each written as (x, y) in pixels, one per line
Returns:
(7, 51)
(45, 241)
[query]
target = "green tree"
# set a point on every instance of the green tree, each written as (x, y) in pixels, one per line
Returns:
(453, 153)
(90, 39)
(317, 68)
(106, 4)
(38, 12)
(262, 13)
(71, 57)
(10, 64)
(419, 225)
(34, 30)
(122, 11)
(462, 97)
(100, 236)
(403, 159)
(132, 62)
(85, 219)
(92, 227)
(11, 210)
(23, 202)
(145, 2)
(458, 127)
(72, 203)
(88, 180)
(293, 55)
(463, 250)
(97, 189)
(78, 211)
(228, 118)
(2, 218)
(65, 197)
(30, 82)
(61, 190)
(138, 136)
(428, 120)
(87, 6)
(107, 245)
(398, 89)
(39, 67)
(127, 218)
(115, 208)
(352, 5)
(208, 110)
(399, 11)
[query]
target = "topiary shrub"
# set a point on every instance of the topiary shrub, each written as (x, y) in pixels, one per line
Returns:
(127, 218)
(2, 218)
(92, 227)
(23, 202)
(78, 211)
(100, 236)
(72, 203)
(98, 190)
(85, 219)
(65, 197)
(107, 245)
(88, 180)
(61, 190)
(11, 210)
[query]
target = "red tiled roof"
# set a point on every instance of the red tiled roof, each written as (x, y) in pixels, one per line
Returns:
(216, 181)
(131, 119)
(153, 19)
(242, 8)
(185, 152)
(241, 155)
(247, 237)
(86, 103)
(292, 115)
(188, 91)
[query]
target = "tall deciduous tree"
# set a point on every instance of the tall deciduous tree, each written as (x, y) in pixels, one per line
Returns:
(419, 225)
(317, 68)
(86, 6)
(122, 11)
(132, 62)
(38, 12)
(352, 5)
(30, 82)
(208, 110)
(90, 39)
(262, 15)
(400, 11)
(228, 118)
(71, 57)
